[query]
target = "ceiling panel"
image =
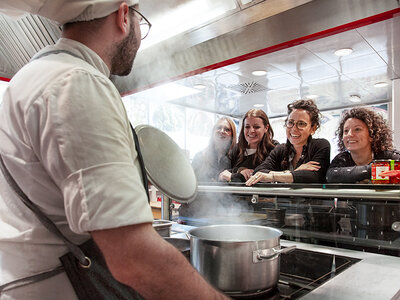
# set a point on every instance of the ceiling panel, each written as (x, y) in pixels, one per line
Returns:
(325, 48)
(392, 59)
(382, 35)
(360, 63)
(292, 59)
(317, 73)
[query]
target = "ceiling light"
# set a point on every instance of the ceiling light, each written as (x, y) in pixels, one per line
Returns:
(343, 51)
(199, 86)
(380, 84)
(258, 105)
(259, 73)
(355, 98)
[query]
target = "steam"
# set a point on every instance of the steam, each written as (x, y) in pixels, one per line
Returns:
(217, 208)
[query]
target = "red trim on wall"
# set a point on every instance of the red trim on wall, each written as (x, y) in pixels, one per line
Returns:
(308, 38)
(4, 79)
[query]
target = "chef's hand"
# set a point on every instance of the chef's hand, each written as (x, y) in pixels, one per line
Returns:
(247, 173)
(259, 176)
(309, 166)
(225, 176)
(389, 173)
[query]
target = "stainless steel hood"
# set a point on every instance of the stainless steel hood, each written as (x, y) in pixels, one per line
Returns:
(244, 31)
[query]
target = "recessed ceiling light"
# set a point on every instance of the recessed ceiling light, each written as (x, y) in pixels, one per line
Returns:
(355, 98)
(199, 86)
(259, 73)
(343, 51)
(380, 84)
(258, 105)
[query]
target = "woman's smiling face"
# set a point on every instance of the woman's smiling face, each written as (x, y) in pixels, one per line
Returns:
(254, 130)
(356, 136)
(300, 118)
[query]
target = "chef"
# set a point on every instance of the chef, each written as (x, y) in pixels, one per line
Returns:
(65, 139)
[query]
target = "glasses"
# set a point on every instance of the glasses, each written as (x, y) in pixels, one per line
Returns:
(299, 124)
(145, 25)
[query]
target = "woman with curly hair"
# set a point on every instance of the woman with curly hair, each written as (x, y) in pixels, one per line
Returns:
(254, 145)
(363, 135)
(301, 158)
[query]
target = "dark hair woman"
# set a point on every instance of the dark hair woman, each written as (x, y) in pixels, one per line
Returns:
(363, 135)
(254, 145)
(301, 158)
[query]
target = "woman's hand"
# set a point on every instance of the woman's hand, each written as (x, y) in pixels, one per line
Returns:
(259, 176)
(389, 173)
(247, 173)
(309, 166)
(225, 176)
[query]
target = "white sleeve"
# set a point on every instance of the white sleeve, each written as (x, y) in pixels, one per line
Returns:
(87, 148)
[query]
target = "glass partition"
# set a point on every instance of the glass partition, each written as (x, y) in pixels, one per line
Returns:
(363, 217)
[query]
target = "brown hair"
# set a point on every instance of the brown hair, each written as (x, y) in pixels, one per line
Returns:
(377, 127)
(309, 106)
(266, 144)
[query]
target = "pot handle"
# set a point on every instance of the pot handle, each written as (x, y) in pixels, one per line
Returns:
(259, 255)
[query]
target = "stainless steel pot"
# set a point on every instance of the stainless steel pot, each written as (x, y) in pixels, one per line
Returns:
(163, 227)
(237, 258)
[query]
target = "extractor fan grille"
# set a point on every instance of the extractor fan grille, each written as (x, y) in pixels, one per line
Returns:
(247, 87)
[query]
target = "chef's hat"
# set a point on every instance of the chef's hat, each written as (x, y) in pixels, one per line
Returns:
(63, 11)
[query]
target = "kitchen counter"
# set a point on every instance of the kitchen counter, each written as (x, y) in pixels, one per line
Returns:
(374, 277)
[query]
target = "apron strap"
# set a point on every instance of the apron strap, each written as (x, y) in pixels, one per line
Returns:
(49, 224)
(46, 222)
(30, 279)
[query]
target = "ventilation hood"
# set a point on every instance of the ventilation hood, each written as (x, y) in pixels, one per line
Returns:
(243, 29)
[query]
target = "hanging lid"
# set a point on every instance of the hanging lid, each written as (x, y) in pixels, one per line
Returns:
(166, 165)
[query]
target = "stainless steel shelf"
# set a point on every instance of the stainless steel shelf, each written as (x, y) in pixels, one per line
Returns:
(375, 194)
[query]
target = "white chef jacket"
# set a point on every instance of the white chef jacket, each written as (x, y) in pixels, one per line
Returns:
(66, 140)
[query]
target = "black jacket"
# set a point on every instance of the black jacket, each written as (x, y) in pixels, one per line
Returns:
(247, 163)
(343, 169)
(316, 150)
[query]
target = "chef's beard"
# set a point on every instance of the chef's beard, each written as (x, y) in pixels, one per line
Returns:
(125, 53)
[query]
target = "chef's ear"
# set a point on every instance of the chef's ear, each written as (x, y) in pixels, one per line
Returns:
(123, 18)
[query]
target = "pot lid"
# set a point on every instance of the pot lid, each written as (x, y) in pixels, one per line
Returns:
(166, 165)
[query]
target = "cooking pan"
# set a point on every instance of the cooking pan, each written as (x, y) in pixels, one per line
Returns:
(237, 258)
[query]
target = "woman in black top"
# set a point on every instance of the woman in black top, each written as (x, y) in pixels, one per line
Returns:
(207, 166)
(254, 145)
(301, 158)
(363, 135)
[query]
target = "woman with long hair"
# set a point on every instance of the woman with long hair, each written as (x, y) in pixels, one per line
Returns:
(302, 158)
(363, 135)
(254, 145)
(211, 161)
(207, 165)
